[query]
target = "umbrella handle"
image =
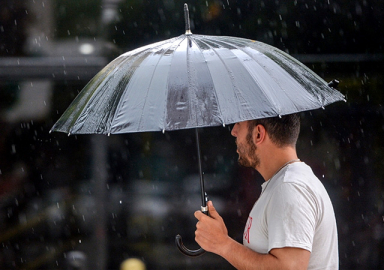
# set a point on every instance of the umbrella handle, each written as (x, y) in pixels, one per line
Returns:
(204, 208)
(186, 251)
(179, 242)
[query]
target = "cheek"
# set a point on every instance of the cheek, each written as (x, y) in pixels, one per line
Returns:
(241, 148)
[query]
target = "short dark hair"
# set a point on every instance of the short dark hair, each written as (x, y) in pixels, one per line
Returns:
(283, 131)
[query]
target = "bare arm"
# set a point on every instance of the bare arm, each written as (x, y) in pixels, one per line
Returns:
(212, 235)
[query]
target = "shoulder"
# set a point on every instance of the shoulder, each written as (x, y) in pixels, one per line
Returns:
(298, 186)
(300, 176)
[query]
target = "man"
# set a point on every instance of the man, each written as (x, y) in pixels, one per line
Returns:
(292, 224)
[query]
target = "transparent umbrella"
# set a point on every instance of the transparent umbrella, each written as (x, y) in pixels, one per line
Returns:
(194, 81)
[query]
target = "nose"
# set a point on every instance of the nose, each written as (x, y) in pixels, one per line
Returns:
(234, 130)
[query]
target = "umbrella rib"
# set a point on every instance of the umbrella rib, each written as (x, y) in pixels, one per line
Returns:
(167, 92)
(137, 53)
(149, 85)
(96, 89)
(291, 59)
(261, 88)
(214, 92)
(226, 66)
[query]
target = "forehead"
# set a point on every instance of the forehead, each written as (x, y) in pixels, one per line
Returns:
(242, 125)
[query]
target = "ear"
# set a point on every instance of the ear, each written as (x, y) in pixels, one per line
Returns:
(259, 134)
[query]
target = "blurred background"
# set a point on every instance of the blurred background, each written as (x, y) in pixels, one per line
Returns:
(94, 202)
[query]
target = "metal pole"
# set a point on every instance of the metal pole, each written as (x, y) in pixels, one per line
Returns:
(204, 208)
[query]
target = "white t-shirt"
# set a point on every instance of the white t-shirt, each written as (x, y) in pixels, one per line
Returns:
(294, 210)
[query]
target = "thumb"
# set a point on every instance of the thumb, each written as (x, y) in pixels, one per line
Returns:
(212, 210)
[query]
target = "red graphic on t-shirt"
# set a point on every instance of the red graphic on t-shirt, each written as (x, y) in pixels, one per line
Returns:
(248, 227)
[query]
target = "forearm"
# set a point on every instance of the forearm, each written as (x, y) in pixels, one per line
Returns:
(212, 235)
(243, 258)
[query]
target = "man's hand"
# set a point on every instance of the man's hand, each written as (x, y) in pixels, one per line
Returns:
(211, 233)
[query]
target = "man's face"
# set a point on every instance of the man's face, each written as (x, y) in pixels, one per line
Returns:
(246, 148)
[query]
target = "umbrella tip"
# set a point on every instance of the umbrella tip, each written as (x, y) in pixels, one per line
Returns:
(333, 84)
(187, 22)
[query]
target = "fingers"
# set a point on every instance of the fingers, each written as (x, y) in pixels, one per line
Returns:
(212, 210)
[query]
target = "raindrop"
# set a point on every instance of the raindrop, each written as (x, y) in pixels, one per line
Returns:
(109, 134)
(120, 200)
(223, 124)
(163, 131)
(69, 134)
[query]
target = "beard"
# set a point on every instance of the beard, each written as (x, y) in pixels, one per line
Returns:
(247, 153)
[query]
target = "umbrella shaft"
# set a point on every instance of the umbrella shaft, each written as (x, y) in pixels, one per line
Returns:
(203, 194)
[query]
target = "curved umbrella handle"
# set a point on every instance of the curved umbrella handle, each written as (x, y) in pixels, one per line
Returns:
(186, 251)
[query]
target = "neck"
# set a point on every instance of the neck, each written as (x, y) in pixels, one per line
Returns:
(275, 160)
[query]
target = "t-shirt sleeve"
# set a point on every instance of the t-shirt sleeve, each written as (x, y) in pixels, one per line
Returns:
(291, 217)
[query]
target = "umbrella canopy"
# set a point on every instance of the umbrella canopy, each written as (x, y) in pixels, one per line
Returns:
(194, 81)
